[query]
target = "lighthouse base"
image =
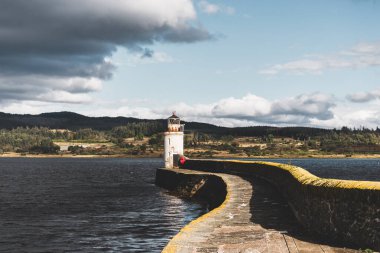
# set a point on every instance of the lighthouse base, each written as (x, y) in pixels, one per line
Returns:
(173, 146)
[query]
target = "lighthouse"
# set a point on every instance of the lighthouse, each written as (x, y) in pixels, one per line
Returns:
(173, 141)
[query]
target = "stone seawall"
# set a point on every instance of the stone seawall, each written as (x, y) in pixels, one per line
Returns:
(341, 210)
(209, 188)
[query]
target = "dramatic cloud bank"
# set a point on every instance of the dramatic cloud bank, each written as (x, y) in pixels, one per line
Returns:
(314, 109)
(248, 110)
(59, 50)
(360, 56)
(296, 110)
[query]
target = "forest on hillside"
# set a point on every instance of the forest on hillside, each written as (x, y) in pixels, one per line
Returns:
(203, 140)
(43, 140)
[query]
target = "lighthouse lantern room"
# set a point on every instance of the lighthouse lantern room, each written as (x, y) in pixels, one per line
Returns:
(173, 140)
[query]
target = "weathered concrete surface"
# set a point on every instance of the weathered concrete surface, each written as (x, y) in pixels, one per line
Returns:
(344, 211)
(253, 218)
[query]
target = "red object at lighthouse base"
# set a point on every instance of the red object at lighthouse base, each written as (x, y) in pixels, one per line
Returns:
(182, 160)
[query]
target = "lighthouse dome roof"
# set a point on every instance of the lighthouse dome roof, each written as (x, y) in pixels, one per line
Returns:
(173, 117)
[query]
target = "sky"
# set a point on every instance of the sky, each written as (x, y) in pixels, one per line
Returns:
(230, 63)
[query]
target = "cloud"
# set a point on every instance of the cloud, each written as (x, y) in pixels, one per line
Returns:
(249, 107)
(362, 97)
(255, 110)
(345, 115)
(366, 48)
(209, 8)
(24, 107)
(64, 97)
(149, 57)
(48, 89)
(362, 55)
(148, 53)
(304, 109)
(294, 110)
(313, 110)
(61, 40)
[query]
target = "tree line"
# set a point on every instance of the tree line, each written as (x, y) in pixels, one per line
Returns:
(41, 139)
(344, 140)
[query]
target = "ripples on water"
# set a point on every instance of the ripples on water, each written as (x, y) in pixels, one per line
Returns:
(87, 205)
(351, 169)
(109, 205)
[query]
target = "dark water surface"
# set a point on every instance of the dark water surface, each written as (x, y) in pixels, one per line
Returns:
(87, 205)
(351, 169)
(109, 205)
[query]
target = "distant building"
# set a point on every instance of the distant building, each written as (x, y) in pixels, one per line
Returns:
(173, 140)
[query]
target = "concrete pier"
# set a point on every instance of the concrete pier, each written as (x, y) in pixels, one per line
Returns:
(252, 218)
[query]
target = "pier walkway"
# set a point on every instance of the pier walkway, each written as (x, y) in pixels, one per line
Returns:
(253, 218)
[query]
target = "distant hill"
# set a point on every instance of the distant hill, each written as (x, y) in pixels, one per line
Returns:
(74, 121)
(63, 120)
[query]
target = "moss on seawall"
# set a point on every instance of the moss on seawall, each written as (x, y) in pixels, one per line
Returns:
(343, 211)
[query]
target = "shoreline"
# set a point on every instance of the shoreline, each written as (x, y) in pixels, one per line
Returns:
(331, 156)
(17, 155)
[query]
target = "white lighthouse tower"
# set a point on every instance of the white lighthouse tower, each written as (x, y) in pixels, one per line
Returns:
(173, 140)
